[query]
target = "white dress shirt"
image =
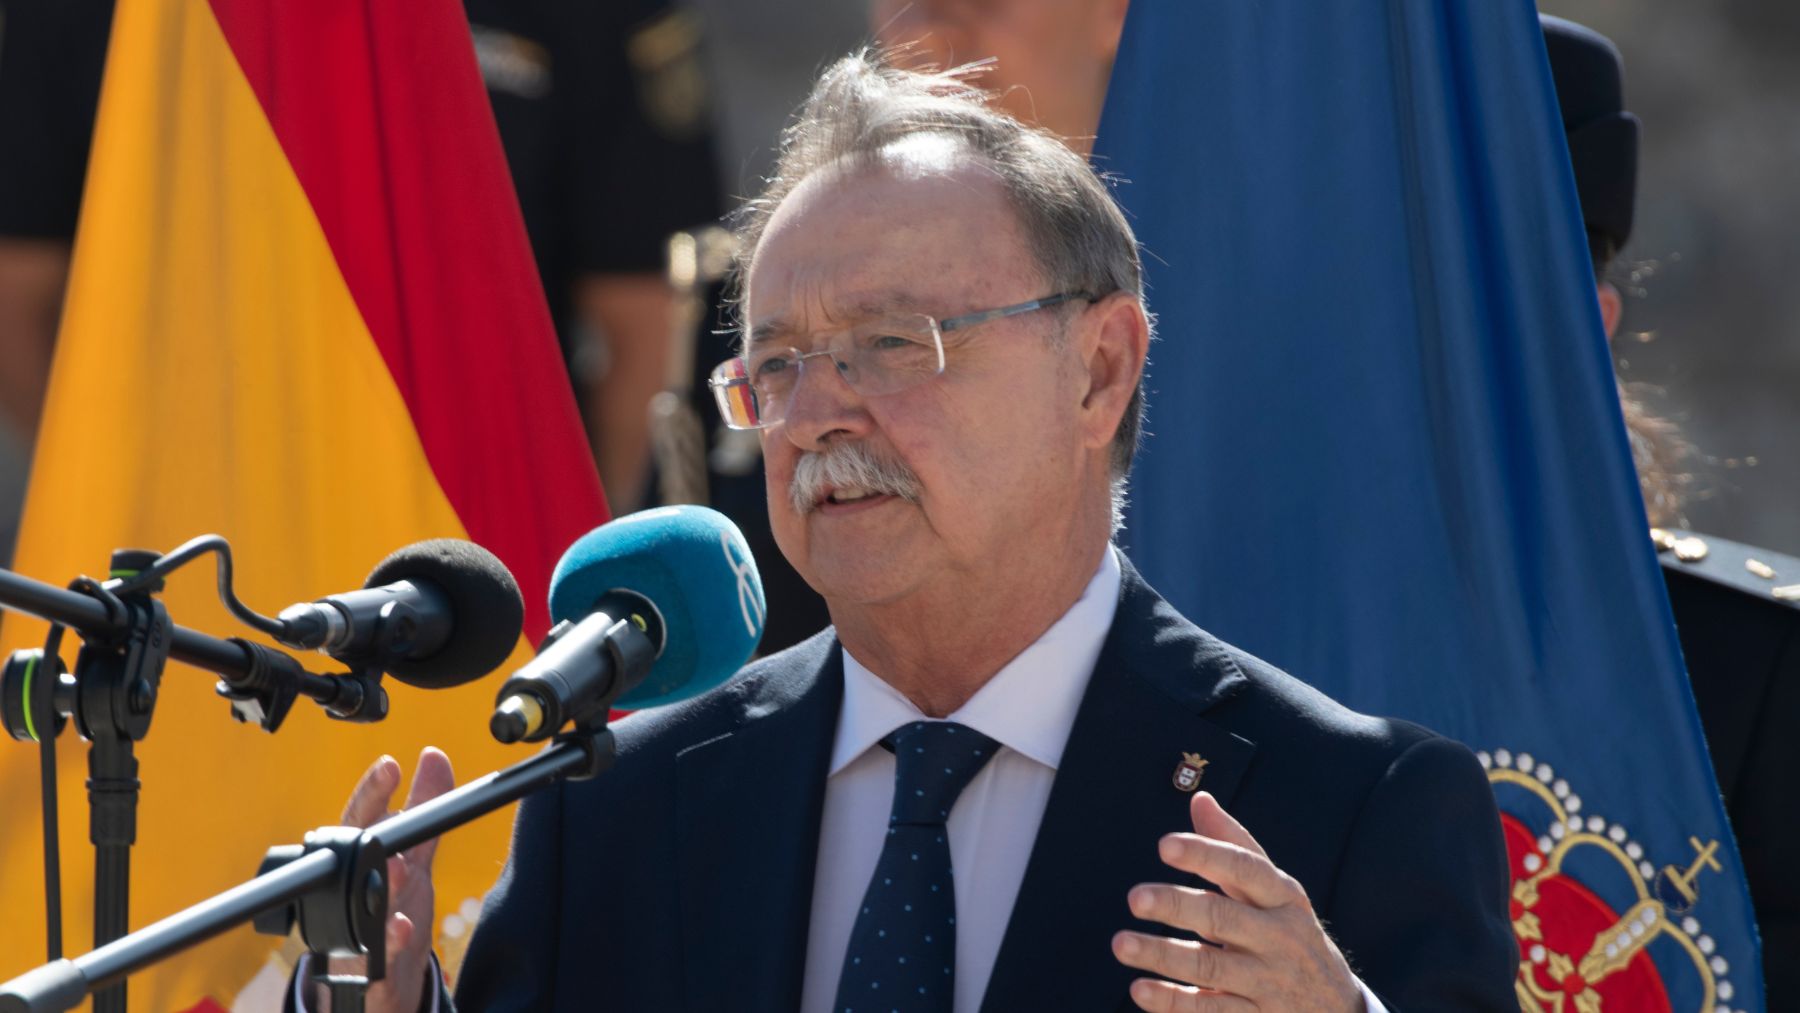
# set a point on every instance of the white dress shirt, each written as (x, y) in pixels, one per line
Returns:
(1028, 707)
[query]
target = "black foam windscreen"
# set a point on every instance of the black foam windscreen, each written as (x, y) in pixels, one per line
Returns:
(487, 611)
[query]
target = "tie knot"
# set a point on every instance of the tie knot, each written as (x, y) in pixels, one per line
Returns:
(933, 762)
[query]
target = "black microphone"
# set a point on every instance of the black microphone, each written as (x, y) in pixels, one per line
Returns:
(435, 614)
(583, 667)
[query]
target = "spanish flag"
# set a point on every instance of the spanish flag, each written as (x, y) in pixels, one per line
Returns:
(303, 313)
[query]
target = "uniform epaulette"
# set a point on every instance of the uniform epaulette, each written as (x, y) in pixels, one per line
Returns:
(1759, 572)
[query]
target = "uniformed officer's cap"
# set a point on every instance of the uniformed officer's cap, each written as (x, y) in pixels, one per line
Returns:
(1603, 137)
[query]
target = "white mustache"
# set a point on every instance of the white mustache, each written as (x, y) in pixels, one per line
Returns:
(848, 465)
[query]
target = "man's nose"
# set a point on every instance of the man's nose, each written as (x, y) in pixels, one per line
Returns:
(822, 404)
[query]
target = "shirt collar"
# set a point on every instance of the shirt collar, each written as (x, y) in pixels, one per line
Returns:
(1029, 705)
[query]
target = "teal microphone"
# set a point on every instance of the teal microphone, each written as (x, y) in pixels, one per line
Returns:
(650, 609)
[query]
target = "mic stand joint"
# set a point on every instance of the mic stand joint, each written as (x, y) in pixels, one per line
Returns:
(598, 749)
(343, 917)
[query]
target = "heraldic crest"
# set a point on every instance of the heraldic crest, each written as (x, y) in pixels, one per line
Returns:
(1600, 926)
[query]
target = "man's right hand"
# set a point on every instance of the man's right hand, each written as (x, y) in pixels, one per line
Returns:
(410, 895)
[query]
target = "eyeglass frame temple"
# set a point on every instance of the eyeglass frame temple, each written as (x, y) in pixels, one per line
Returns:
(970, 320)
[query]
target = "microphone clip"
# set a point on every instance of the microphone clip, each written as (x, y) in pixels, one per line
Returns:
(266, 691)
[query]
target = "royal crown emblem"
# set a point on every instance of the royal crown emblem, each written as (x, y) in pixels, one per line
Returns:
(1600, 926)
(1191, 770)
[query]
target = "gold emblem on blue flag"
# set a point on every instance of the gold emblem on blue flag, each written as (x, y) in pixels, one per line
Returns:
(1599, 925)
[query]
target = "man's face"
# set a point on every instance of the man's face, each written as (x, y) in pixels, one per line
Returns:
(993, 442)
(1051, 56)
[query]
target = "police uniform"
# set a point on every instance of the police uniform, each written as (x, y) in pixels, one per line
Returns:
(51, 55)
(604, 115)
(1737, 611)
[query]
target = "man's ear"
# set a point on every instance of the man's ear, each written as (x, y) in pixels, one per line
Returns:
(1612, 307)
(1114, 342)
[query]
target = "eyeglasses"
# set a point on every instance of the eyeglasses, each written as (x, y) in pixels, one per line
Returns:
(881, 356)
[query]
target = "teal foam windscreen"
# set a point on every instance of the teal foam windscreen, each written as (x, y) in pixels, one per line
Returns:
(693, 565)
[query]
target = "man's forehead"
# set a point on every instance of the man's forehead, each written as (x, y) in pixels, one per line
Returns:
(875, 238)
(921, 170)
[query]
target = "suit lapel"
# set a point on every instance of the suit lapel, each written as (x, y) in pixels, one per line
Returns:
(748, 810)
(1113, 798)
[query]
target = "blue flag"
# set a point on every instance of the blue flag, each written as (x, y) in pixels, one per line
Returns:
(1385, 449)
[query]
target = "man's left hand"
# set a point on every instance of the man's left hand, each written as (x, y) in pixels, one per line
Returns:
(1265, 947)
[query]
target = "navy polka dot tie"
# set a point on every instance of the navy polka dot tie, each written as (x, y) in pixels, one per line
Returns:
(902, 954)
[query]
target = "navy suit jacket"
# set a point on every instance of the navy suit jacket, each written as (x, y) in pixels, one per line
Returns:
(682, 879)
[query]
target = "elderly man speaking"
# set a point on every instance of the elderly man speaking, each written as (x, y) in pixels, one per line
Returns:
(1009, 776)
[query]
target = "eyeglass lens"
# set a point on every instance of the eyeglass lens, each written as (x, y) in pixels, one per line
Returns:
(882, 356)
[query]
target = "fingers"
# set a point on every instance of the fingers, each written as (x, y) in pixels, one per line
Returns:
(1211, 820)
(1196, 963)
(409, 888)
(399, 877)
(408, 969)
(1244, 875)
(369, 799)
(400, 933)
(374, 792)
(431, 778)
(1206, 913)
(1263, 946)
(1168, 997)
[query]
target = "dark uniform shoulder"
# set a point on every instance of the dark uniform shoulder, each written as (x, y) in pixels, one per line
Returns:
(1737, 611)
(1759, 573)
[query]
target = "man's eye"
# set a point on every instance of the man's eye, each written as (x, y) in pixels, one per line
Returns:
(890, 342)
(773, 366)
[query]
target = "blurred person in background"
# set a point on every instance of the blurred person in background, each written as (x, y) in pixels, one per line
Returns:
(1714, 316)
(762, 57)
(51, 55)
(1052, 59)
(1737, 608)
(604, 111)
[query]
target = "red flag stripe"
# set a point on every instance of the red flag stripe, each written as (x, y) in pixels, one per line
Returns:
(414, 197)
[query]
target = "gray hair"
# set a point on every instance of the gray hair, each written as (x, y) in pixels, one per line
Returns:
(860, 107)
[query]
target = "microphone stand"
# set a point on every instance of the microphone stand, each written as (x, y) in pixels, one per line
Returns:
(334, 885)
(128, 639)
(116, 680)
